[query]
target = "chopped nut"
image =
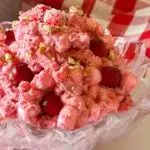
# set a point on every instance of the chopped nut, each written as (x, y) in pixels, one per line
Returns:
(47, 28)
(51, 29)
(25, 18)
(56, 28)
(8, 57)
(112, 55)
(71, 61)
(28, 54)
(76, 10)
(14, 24)
(42, 48)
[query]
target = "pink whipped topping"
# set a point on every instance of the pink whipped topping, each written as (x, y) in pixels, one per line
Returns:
(59, 69)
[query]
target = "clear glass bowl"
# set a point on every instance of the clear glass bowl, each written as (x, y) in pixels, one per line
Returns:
(16, 135)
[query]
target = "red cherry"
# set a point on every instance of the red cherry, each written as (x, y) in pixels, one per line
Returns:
(148, 52)
(51, 105)
(54, 4)
(111, 76)
(98, 48)
(10, 37)
(21, 72)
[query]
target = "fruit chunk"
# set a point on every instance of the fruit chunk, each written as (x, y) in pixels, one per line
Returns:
(21, 72)
(111, 76)
(126, 104)
(51, 104)
(98, 48)
(10, 37)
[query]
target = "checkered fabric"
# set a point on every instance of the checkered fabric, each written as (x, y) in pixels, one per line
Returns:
(127, 18)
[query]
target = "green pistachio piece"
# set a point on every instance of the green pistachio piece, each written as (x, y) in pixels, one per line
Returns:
(112, 55)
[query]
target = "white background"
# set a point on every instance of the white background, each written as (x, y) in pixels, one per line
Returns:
(138, 139)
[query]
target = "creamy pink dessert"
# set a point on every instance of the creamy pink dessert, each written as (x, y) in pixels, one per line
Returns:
(60, 69)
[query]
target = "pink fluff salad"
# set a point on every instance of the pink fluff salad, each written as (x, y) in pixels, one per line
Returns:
(60, 69)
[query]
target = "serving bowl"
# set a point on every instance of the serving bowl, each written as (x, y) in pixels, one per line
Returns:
(16, 135)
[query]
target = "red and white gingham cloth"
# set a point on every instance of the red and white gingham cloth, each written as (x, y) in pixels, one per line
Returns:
(127, 18)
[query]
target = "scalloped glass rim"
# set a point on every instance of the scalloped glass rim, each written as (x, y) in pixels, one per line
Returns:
(141, 66)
